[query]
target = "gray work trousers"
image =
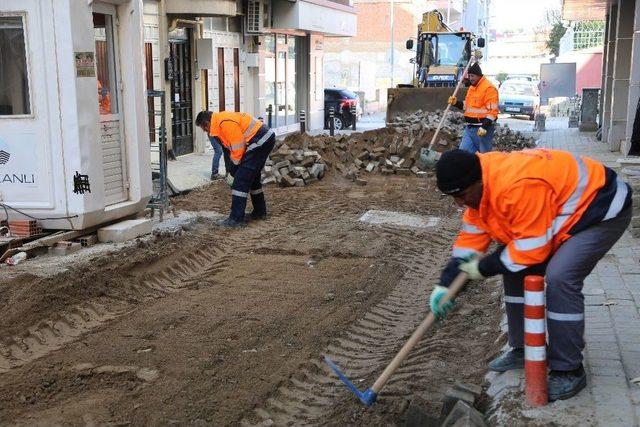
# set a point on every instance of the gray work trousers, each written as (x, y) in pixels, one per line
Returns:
(564, 274)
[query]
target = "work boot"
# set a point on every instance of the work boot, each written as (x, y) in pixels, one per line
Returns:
(215, 176)
(566, 384)
(512, 359)
(231, 223)
(253, 216)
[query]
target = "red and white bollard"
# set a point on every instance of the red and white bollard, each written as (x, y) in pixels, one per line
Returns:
(535, 341)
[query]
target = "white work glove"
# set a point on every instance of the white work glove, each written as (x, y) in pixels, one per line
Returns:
(452, 100)
(472, 268)
(482, 132)
(229, 180)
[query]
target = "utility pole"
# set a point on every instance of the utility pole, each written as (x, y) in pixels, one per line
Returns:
(392, 44)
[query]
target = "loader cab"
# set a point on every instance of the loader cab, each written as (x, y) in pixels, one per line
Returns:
(440, 57)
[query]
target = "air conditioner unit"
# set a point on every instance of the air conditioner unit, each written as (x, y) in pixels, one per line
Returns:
(257, 16)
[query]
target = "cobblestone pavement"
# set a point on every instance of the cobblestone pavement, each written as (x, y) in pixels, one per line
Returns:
(612, 298)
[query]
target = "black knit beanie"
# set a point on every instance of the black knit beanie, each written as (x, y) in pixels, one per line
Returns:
(475, 69)
(457, 170)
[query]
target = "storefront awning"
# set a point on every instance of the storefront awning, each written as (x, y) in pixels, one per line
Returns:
(584, 10)
(315, 16)
(201, 7)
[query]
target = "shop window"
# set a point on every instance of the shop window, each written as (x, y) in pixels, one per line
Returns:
(105, 63)
(14, 79)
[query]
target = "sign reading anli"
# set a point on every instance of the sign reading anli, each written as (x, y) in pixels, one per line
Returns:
(16, 162)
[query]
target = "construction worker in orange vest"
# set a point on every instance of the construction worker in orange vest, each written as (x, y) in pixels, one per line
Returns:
(104, 99)
(480, 112)
(247, 143)
(552, 213)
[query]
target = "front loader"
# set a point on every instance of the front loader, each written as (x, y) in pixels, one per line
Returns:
(441, 56)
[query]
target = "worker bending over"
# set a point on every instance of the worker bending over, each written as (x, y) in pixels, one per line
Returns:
(247, 143)
(552, 213)
(480, 112)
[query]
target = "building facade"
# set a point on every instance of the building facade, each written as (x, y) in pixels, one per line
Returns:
(376, 58)
(620, 82)
(263, 57)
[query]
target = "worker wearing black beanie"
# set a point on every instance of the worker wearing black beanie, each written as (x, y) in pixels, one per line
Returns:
(480, 112)
(457, 170)
(551, 213)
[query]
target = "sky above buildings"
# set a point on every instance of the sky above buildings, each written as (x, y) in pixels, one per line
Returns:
(516, 14)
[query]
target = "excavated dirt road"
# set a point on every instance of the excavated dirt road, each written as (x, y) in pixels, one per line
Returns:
(228, 327)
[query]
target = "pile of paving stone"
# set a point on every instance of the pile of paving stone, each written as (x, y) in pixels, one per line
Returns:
(505, 139)
(293, 167)
(453, 124)
(399, 149)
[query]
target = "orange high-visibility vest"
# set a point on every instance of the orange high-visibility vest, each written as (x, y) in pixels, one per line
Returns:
(481, 101)
(104, 100)
(234, 130)
(530, 201)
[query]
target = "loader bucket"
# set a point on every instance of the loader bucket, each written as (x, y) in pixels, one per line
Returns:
(407, 100)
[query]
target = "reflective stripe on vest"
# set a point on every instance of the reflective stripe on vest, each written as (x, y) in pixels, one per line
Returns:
(247, 132)
(476, 110)
(471, 229)
(459, 252)
(261, 141)
(508, 262)
(618, 200)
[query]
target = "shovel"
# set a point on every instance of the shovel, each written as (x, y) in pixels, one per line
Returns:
(368, 397)
(428, 156)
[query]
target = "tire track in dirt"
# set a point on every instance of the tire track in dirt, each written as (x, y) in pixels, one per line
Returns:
(68, 325)
(310, 397)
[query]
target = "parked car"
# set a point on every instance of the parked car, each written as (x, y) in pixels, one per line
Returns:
(341, 100)
(519, 97)
(521, 77)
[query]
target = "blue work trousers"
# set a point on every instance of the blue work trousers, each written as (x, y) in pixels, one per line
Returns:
(247, 181)
(217, 154)
(473, 143)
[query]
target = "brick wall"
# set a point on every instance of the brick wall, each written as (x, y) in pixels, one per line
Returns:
(374, 29)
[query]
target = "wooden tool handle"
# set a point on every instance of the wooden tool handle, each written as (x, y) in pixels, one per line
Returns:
(446, 110)
(455, 287)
